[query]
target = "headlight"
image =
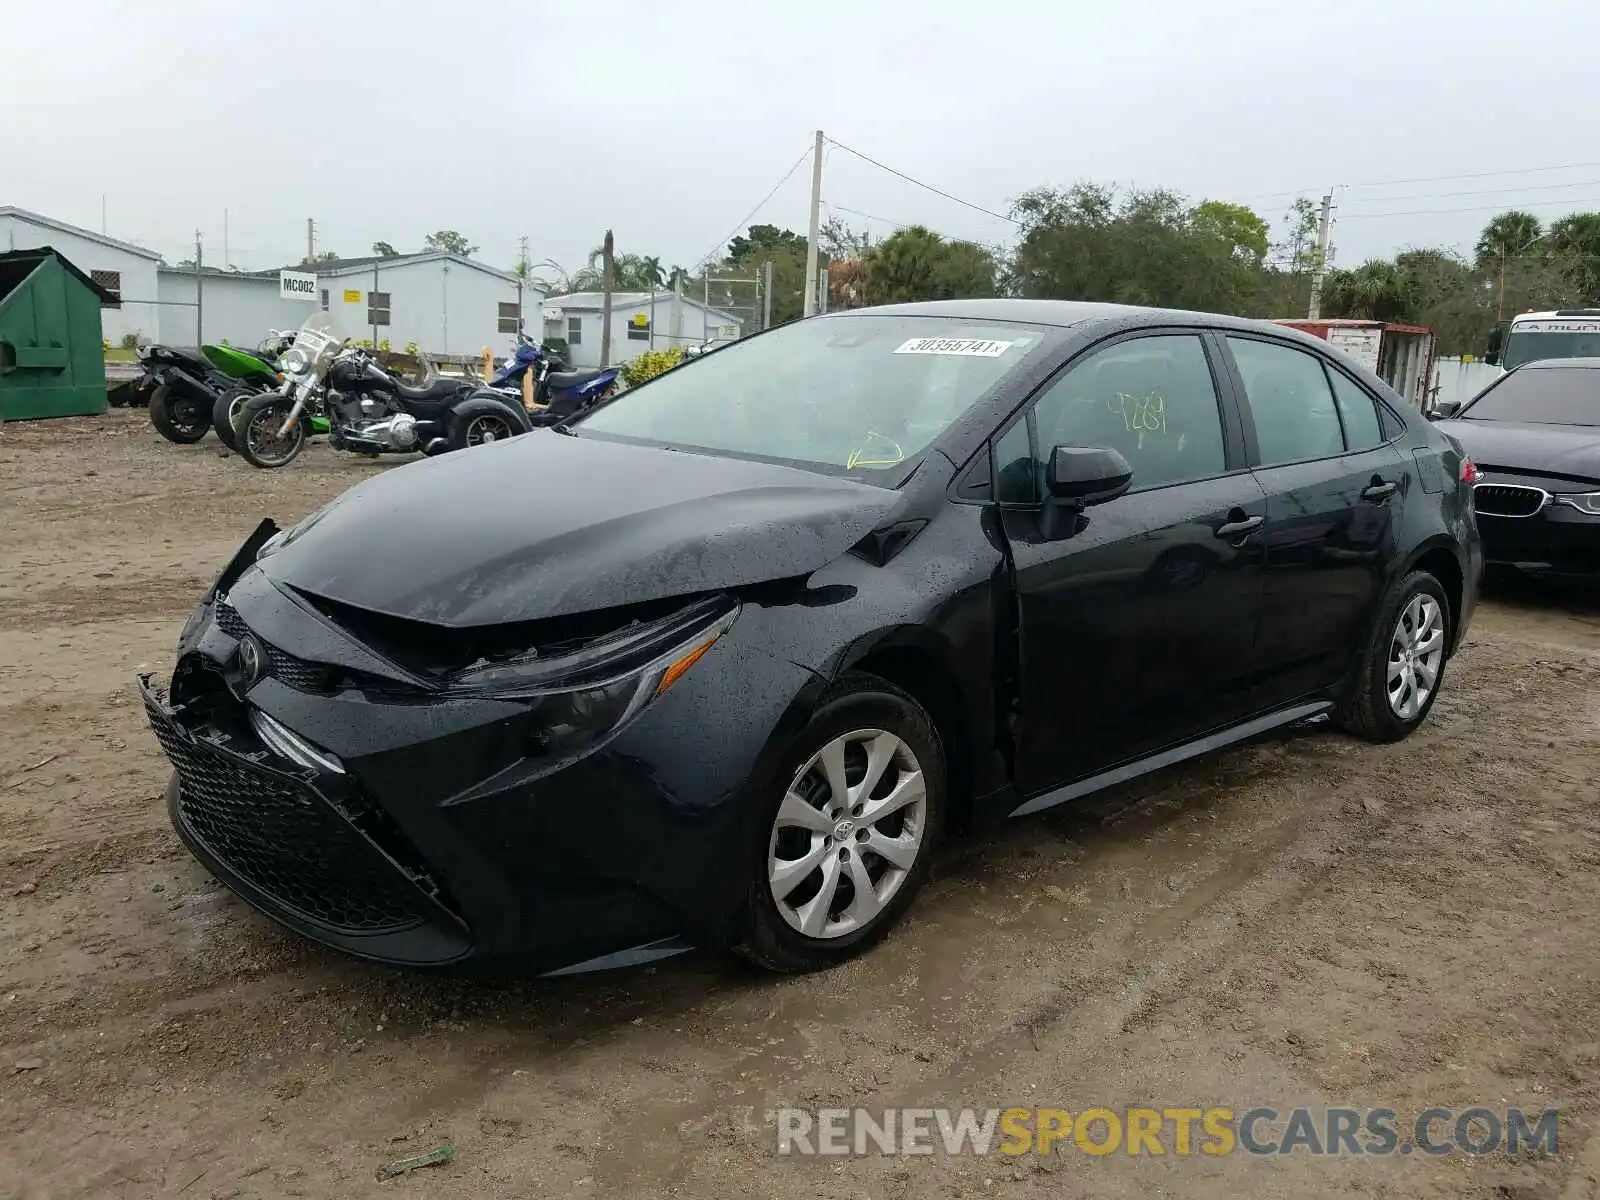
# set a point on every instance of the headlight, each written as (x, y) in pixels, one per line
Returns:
(581, 698)
(1584, 502)
(294, 362)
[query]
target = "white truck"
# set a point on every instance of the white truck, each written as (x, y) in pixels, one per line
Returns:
(1564, 333)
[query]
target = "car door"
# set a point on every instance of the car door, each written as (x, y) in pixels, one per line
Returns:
(1335, 488)
(1136, 628)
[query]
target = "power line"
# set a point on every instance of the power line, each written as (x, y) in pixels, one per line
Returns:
(737, 229)
(1475, 175)
(926, 186)
(1429, 212)
(1543, 187)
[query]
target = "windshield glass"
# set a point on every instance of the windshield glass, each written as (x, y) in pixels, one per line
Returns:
(856, 392)
(1543, 396)
(1526, 345)
(313, 349)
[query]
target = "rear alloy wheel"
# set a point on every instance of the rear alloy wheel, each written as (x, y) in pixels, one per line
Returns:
(1403, 663)
(178, 418)
(848, 842)
(486, 428)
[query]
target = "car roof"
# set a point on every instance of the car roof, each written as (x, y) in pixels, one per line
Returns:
(1070, 313)
(1556, 364)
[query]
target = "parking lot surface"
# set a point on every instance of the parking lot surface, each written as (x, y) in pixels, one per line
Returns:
(1307, 920)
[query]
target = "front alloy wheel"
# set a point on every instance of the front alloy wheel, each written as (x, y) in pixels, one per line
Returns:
(855, 807)
(848, 832)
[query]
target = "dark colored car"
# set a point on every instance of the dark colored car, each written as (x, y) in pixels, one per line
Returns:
(1534, 434)
(718, 663)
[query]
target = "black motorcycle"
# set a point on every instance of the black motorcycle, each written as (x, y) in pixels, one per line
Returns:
(371, 411)
(185, 389)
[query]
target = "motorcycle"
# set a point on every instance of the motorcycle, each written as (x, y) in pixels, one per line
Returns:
(557, 393)
(369, 410)
(187, 391)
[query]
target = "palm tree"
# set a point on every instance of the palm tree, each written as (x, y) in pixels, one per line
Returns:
(1508, 235)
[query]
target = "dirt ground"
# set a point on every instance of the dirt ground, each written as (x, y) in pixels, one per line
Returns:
(1308, 920)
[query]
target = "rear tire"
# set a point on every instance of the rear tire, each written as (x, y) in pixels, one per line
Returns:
(1402, 666)
(481, 429)
(259, 443)
(177, 419)
(817, 850)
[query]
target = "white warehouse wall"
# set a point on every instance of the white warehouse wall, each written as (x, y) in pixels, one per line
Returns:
(139, 313)
(445, 307)
(242, 309)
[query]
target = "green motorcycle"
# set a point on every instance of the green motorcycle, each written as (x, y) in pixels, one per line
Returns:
(256, 371)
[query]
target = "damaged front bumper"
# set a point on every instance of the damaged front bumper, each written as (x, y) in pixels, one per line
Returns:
(429, 829)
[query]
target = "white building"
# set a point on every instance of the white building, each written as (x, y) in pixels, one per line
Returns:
(444, 303)
(124, 270)
(640, 321)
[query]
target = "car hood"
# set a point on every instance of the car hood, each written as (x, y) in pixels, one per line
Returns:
(545, 525)
(1572, 451)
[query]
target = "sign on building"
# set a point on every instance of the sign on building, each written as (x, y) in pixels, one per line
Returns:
(352, 295)
(295, 285)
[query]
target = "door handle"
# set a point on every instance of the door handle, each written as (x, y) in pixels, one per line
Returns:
(1240, 528)
(1380, 491)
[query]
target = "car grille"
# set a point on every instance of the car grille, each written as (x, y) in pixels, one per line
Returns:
(285, 839)
(294, 672)
(1508, 500)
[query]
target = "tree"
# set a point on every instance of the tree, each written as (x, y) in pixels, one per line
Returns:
(917, 264)
(1239, 226)
(768, 238)
(449, 241)
(327, 256)
(1577, 236)
(838, 241)
(385, 250)
(1506, 236)
(1145, 247)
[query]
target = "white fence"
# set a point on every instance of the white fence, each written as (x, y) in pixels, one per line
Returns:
(1460, 379)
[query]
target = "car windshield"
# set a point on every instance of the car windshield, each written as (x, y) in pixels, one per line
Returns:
(851, 392)
(1527, 345)
(1542, 396)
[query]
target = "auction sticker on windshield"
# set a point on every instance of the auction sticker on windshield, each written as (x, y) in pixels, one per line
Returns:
(970, 347)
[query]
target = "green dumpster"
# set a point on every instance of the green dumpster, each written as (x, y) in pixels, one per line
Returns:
(51, 360)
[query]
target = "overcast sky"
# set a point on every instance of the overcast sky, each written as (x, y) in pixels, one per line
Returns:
(668, 120)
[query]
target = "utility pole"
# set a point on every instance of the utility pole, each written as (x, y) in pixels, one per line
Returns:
(523, 267)
(810, 305)
(311, 240)
(1320, 268)
(227, 260)
(766, 294)
(199, 289)
(608, 263)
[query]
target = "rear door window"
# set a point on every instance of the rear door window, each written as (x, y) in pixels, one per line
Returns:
(1359, 412)
(1293, 406)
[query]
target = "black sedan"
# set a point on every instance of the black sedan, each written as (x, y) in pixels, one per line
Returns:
(720, 662)
(1535, 436)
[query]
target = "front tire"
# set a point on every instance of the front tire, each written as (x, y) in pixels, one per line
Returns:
(1402, 666)
(262, 446)
(177, 418)
(847, 829)
(225, 410)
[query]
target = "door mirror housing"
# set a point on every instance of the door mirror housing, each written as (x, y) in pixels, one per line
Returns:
(1497, 338)
(1444, 410)
(1079, 476)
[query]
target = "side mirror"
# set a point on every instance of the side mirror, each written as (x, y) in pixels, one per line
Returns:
(1497, 338)
(1082, 475)
(1444, 410)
